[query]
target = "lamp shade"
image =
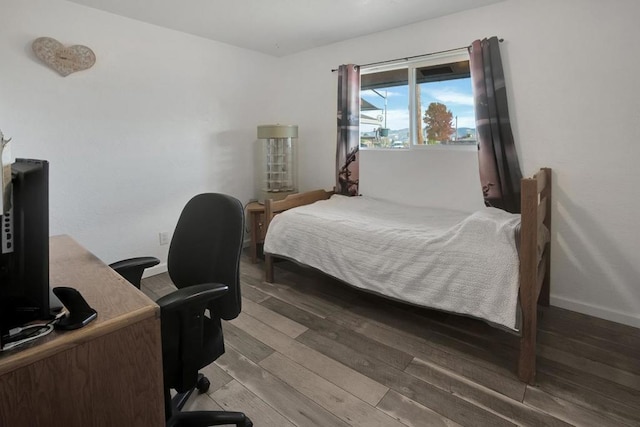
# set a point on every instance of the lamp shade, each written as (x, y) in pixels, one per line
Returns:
(277, 131)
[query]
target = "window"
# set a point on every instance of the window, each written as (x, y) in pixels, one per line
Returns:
(416, 104)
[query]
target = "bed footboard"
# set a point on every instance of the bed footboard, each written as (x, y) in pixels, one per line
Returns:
(535, 257)
(271, 208)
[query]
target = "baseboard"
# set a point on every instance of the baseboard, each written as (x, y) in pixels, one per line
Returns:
(596, 311)
(156, 269)
(566, 303)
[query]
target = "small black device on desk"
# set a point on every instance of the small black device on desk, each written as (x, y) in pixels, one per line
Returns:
(79, 312)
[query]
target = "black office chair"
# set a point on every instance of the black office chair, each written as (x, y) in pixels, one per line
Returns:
(203, 262)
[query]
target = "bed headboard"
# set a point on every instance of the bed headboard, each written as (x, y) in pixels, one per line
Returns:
(435, 177)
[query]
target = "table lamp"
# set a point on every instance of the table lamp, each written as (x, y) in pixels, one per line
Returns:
(279, 163)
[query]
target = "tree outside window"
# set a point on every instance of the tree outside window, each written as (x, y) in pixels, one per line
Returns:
(439, 123)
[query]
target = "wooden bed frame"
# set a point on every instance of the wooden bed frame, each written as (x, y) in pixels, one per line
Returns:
(534, 269)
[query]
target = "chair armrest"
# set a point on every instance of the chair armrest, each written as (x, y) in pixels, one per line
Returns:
(131, 269)
(192, 296)
(182, 322)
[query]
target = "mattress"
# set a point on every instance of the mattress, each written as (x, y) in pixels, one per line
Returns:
(465, 263)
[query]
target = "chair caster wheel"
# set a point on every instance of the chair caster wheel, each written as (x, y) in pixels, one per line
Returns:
(203, 384)
(247, 422)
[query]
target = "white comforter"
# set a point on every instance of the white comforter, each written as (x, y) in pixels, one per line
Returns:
(453, 261)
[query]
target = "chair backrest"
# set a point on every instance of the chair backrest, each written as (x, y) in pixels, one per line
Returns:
(206, 247)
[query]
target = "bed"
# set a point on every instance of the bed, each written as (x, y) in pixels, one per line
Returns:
(490, 265)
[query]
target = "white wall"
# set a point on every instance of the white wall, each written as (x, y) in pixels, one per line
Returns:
(572, 80)
(434, 177)
(161, 117)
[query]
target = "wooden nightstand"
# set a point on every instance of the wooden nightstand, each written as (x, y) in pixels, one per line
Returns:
(255, 212)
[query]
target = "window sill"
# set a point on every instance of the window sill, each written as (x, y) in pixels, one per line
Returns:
(436, 147)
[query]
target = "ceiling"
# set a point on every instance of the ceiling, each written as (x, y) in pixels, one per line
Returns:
(282, 27)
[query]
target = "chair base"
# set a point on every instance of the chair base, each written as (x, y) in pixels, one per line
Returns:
(208, 418)
(200, 418)
(179, 400)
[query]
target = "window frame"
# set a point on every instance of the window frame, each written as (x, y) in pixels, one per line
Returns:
(411, 65)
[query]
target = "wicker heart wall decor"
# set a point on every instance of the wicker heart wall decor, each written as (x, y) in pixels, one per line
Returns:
(65, 60)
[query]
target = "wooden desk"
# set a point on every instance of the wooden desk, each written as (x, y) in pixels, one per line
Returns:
(255, 211)
(108, 373)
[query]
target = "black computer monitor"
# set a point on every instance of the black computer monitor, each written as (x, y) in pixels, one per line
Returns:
(24, 258)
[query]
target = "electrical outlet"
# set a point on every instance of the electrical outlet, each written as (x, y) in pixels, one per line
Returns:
(164, 237)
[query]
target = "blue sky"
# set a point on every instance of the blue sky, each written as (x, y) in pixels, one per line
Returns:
(457, 95)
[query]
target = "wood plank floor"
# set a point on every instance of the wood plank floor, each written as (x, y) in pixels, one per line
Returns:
(311, 351)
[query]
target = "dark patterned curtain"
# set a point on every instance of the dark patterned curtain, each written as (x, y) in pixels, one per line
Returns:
(499, 168)
(348, 141)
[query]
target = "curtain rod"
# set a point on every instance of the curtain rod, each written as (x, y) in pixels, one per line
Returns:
(406, 58)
